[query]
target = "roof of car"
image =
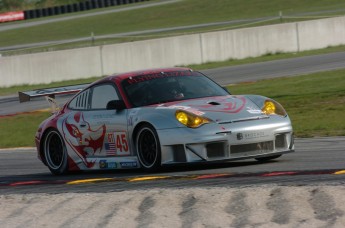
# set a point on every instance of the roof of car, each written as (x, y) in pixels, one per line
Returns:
(120, 77)
(126, 75)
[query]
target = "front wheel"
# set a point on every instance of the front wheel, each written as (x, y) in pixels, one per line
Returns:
(55, 153)
(265, 159)
(148, 148)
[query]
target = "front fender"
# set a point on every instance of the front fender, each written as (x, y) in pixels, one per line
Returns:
(257, 99)
(163, 119)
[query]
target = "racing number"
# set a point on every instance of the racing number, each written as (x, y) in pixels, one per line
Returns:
(121, 143)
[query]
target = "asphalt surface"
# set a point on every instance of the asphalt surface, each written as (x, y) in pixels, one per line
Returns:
(315, 161)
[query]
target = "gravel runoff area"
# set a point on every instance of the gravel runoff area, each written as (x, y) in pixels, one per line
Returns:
(263, 206)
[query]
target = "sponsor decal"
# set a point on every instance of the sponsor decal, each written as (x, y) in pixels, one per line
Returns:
(103, 116)
(57, 90)
(133, 164)
(117, 144)
(253, 110)
(103, 164)
(112, 165)
(148, 77)
(12, 16)
(254, 135)
(251, 135)
(239, 136)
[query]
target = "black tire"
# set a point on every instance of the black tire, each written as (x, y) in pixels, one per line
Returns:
(265, 159)
(55, 153)
(148, 148)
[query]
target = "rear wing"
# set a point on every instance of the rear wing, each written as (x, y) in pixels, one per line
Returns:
(50, 93)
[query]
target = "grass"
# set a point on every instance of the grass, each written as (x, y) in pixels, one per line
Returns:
(187, 12)
(315, 104)
(19, 131)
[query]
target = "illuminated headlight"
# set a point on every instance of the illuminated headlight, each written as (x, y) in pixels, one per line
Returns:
(189, 119)
(272, 107)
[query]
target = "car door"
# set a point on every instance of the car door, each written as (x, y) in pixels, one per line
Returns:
(106, 128)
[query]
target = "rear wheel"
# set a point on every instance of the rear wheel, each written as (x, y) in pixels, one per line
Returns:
(148, 148)
(55, 153)
(265, 159)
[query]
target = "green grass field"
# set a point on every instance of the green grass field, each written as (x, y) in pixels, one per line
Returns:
(315, 104)
(186, 12)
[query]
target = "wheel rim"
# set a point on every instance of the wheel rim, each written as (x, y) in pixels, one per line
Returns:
(54, 150)
(147, 147)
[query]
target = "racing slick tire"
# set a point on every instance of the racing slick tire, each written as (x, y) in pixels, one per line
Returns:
(265, 159)
(55, 153)
(148, 148)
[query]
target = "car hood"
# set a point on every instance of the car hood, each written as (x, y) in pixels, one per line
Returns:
(220, 109)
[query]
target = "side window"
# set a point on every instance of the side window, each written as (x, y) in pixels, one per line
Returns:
(81, 102)
(101, 95)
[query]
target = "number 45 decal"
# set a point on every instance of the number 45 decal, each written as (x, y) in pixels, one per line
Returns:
(121, 143)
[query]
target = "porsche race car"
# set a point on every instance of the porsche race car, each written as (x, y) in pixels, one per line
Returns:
(151, 118)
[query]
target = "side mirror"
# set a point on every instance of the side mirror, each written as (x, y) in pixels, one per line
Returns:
(116, 105)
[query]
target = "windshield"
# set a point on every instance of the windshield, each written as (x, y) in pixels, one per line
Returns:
(169, 86)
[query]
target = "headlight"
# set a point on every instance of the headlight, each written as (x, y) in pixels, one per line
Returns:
(189, 119)
(273, 108)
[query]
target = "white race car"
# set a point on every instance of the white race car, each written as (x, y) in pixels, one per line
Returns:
(158, 117)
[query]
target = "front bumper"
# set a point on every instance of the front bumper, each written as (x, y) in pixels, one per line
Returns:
(235, 141)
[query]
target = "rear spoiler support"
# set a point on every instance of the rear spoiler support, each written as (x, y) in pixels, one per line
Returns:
(53, 104)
